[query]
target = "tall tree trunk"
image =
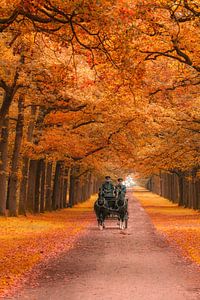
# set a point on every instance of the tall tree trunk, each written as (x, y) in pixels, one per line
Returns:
(37, 187)
(72, 188)
(77, 191)
(180, 185)
(31, 185)
(61, 185)
(83, 191)
(13, 183)
(56, 191)
(198, 194)
(8, 189)
(25, 168)
(48, 205)
(23, 187)
(3, 164)
(88, 185)
(43, 183)
(76, 186)
(65, 187)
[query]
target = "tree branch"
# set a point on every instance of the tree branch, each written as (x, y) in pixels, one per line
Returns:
(3, 85)
(86, 123)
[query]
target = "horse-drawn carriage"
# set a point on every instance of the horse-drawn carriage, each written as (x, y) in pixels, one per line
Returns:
(113, 208)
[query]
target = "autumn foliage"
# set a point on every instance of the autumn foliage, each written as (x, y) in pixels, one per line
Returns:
(93, 87)
(87, 89)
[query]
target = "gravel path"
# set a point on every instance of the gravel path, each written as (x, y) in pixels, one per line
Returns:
(135, 264)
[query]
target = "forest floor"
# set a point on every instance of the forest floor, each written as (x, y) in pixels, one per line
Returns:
(26, 242)
(180, 226)
(143, 262)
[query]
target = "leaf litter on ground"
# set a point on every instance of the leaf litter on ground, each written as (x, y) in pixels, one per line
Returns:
(28, 241)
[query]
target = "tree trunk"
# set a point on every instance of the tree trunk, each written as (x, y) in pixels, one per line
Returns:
(37, 187)
(31, 185)
(65, 187)
(8, 189)
(48, 205)
(56, 194)
(71, 188)
(25, 168)
(198, 194)
(43, 183)
(3, 164)
(77, 191)
(23, 187)
(88, 185)
(12, 200)
(181, 194)
(61, 186)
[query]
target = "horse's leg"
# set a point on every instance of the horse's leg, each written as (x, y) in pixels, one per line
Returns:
(98, 215)
(104, 216)
(100, 225)
(103, 224)
(122, 220)
(120, 224)
(101, 221)
(97, 212)
(123, 224)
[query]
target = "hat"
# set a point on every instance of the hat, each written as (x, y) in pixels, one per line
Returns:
(120, 179)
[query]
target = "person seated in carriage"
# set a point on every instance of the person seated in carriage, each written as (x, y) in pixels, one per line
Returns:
(111, 203)
(107, 188)
(120, 188)
(107, 191)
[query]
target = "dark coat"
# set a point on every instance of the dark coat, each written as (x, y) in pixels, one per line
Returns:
(120, 188)
(107, 189)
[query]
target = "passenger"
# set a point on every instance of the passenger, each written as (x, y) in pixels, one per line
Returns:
(107, 188)
(120, 188)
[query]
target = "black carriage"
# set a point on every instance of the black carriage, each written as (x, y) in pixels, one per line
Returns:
(113, 208)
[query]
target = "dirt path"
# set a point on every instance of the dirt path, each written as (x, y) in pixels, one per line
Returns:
(134, 264)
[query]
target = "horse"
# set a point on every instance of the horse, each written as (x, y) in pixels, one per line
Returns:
(111, 207)
(101, 211)
(122, 210)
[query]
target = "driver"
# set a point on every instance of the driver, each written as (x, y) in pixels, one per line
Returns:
(107, 188)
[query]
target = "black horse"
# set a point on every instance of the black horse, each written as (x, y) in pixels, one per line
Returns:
(111, 207)
(122, 210)
(101, 210)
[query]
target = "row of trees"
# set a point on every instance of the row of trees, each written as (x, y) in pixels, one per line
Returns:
(182, 188)
(103, 87)
(50, 187)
